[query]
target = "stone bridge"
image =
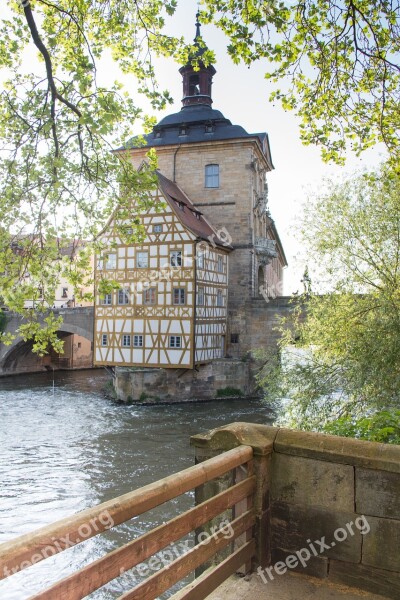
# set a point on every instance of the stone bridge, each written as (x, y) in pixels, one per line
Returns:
(18, 356)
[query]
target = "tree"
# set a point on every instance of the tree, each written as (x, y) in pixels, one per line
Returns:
(60, 180)
(336, 63)
(59, 177)
(340, 354)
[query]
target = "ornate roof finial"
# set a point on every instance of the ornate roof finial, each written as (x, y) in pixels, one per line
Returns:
(198, 34)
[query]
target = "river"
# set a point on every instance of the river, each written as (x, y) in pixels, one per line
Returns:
(65, 446)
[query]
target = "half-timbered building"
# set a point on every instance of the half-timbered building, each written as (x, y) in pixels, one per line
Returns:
(170, 306)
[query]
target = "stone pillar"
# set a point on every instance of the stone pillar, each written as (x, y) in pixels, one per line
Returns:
(261, 439)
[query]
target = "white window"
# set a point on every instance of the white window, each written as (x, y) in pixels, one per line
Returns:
(175, 341)
(111, 261)
(107, 300)
(175, 258)
(200, 260)
(142, 260)
(157, 228)
(220, 298)
(200, 296)
(137, 341)
(126, 340)
(149, 296)
(179, 296)
(212, 176)
(104, 339)
(123, 296)
(220, 265)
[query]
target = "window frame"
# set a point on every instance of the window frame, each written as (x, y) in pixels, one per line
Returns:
(138, 338)
(126, 296)
(157, 225)
(104, 340)
(211, 176)
(149, 290)
(220, 299)
(126, 337)
(179, 257)
(142, 252)
(104, 298)
(175, 338)
(181, 291)
(201, 296)
(220, 264)
(107, 261)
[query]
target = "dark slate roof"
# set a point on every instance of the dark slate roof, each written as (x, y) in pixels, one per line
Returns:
(198, 225)
(196, 118)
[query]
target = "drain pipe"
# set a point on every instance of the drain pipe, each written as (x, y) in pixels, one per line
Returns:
(175, 153)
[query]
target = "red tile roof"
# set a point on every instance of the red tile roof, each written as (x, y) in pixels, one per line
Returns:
(188, 215)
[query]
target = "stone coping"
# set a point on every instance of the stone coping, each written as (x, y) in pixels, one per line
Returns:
(265, 439)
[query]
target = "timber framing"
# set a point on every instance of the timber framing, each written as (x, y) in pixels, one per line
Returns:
(181, 259)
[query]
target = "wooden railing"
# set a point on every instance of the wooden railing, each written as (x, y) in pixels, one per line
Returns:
(237, 498)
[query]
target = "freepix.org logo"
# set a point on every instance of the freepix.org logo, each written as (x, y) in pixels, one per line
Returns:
(315, 548)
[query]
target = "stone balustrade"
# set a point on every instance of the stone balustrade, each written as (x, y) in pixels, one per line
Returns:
(334, 500)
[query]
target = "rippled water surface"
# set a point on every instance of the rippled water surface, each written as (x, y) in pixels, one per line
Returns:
(65, 447)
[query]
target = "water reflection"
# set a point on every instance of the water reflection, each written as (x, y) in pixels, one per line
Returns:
(66, 449)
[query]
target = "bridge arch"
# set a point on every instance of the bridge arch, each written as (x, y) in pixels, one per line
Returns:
(18, 357)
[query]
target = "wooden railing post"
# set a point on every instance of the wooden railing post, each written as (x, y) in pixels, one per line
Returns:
(261, 439)
(205, 492)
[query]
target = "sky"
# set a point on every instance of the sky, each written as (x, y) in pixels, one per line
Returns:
(241, 94)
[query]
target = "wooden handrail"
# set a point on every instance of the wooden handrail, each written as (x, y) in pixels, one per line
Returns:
(202, 586)
(20, 553)
(182, 566)
(98, 573)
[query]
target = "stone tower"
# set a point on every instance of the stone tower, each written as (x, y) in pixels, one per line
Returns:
(223, 170)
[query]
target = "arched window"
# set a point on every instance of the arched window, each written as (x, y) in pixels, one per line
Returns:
(212, 176)
(194, 85)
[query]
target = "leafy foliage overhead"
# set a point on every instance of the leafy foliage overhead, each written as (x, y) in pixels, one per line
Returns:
(341, 58)
(336, 65)
(59, 126)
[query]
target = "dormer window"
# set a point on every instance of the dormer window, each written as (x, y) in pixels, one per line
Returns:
(157, 133)
(183, 130)
(209, 127)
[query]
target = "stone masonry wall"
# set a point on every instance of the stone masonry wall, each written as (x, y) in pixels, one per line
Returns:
(254, 324)
(333, 501)
(212, 380)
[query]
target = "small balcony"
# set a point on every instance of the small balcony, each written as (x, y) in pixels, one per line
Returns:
(265, 250)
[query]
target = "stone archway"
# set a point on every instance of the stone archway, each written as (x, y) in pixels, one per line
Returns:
(260, 279)
(78, 353)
